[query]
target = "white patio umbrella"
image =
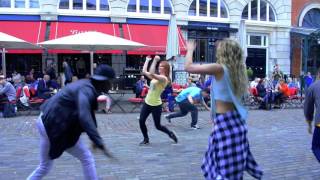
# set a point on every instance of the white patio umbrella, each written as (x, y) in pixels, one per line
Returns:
(91, 41)
(242, 34)
(172, 48)
(10, 42)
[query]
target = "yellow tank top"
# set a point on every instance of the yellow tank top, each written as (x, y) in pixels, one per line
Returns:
(154, 94)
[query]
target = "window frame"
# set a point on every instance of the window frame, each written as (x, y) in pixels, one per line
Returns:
(264, 43)
(208, 17)
(20, 10)
(268, 8)
(84, 11)
(150, 14)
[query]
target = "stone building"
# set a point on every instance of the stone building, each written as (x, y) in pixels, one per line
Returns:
(267, 24)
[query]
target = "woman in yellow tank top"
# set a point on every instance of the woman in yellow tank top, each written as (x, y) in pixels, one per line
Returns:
(153, 103)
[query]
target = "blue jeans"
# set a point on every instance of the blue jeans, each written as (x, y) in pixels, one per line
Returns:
(316, 143)
(79, 150)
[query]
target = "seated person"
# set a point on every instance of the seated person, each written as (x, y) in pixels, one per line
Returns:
(263, 94)
(190, 83)
(107, 99)
(7, 94)
(139, 86)
(44, 88)
(282, 91)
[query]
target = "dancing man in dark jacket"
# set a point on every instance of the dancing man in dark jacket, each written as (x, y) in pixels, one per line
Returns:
(65, 116)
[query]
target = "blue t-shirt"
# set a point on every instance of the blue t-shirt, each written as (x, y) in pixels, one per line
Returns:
(194, 92)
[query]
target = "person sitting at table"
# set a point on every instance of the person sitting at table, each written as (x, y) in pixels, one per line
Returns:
(190, 83)
(282, 91)
(7, 95)
(44, 88)
(106, 98)
(139, 86)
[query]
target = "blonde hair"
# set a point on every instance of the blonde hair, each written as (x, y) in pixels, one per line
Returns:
(229, 53)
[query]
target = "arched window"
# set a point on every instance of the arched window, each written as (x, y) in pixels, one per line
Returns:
(150, 6)
(259, 10)
(208, 8)
(19, 4)
(311, 19)
(90, 5)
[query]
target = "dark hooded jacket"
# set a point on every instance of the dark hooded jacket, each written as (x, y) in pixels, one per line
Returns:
(69, 113)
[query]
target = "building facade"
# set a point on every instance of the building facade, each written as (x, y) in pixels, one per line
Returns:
(267, 24)
(305, 36)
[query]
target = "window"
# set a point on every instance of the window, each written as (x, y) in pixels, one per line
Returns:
(167, 7)
(214, 8)
(144, 6)
(132, 7)
(150, 6)
(77, 4)
(311, 19)
(64, 4)
(208, 8)
(257, 40)
(104, 5)
(5, 3)
(34, 4)
(259, 10)
(193, 9)
(90, 5)
(19, 4)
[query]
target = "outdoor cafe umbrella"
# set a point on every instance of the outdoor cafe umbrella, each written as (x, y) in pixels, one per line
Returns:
(172, 49)
(10, 42)
(91, 41)
(243, 38)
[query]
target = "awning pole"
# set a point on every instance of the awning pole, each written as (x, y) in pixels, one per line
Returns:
(91, 63)
(4, 62)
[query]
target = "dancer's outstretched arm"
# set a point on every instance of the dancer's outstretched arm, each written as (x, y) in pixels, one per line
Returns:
(212, 68)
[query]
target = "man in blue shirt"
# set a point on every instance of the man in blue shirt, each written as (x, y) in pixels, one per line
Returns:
(186, 101)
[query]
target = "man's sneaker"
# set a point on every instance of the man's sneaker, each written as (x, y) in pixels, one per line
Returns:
(144, 142)
(167, 118)
(195, 127)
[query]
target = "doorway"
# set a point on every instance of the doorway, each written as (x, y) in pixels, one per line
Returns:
(256, 60)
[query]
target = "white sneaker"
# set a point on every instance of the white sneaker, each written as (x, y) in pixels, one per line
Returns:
(195, 127)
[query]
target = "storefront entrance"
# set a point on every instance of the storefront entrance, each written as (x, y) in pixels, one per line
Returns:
(23, 63)
(256, 60)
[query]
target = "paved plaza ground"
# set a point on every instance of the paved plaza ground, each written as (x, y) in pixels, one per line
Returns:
(279, 142)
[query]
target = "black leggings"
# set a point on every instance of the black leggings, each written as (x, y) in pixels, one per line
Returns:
(156, 114)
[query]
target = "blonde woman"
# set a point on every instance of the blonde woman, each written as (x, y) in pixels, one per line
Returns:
(153, 102)
(228, 154)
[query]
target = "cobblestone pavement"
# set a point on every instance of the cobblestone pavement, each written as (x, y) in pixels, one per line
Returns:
(279, 142)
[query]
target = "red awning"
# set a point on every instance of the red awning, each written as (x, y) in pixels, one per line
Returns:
(154, 36)
(33, 32)
(61, 29)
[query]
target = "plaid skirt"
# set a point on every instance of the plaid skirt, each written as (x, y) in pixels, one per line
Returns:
(228, 154)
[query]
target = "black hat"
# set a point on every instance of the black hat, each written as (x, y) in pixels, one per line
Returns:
(103, 72)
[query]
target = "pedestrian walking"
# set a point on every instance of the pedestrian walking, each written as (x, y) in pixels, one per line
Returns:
(67, 73)
(65, 116)
(228, 154)
(312, 100)
(187, 100)
(153, 102)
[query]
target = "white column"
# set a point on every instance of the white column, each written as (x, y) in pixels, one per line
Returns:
(162, 6)
(268, 9)
(249, 11)
(197, 8)
(98, 5)
(258, 10)
(91, 63)
(4, 61)
(219, 8)
(208, 8)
